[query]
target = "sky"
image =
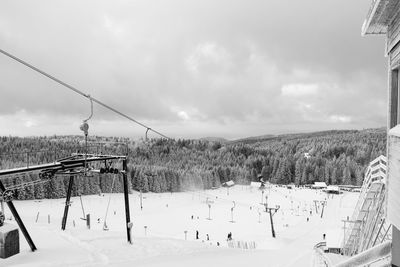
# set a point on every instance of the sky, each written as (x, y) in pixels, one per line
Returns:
(191, 69)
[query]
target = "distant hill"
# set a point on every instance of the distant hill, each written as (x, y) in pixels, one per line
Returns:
(269, 137)
(253, 139)
(214, 139)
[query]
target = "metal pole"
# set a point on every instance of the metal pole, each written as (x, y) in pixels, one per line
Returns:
(344, 234)
(262, 197)
(141, 200)
(316, 208)
(377, 235)
(83, 210)
(272, 223)
(126, 197)
(67, 202)
(323, 207)
(18, 220)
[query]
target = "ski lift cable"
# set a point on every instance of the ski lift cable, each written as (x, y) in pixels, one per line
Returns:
(92, 99)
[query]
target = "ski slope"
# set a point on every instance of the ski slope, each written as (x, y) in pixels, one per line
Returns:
(167, 216)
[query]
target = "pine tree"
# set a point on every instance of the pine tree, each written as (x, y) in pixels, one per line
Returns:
(298, 172)
(144, 184)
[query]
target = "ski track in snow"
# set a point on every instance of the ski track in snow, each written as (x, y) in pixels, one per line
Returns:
(166, 216)
(97, 258)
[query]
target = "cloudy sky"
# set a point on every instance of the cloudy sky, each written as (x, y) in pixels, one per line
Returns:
(229, 68)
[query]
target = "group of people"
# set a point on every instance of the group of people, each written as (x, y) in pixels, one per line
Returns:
(197, 236)
(208, 237)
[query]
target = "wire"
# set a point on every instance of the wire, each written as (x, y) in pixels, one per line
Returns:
(80, 92)
(91, 109)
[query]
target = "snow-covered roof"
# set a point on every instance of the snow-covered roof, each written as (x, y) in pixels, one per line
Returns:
(379, 16)
(255, 184)
(229, 183)
(319, 184)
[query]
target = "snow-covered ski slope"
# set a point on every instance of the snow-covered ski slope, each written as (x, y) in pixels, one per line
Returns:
(167, 216)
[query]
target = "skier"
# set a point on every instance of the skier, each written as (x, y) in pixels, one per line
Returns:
(208, 238)
(229, 236)
(197, 234)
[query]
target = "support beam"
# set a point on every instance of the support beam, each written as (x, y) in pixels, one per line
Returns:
(126, 198)
(18, 220)
(67, 202)
(395, 246)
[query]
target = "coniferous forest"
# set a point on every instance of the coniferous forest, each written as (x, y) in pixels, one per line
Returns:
(160, 165)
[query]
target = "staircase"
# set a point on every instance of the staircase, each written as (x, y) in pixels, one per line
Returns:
(368, 226)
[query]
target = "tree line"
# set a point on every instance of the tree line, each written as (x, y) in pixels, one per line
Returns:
(160, 165)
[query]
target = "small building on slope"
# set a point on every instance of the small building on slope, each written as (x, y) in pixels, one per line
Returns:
(319, 185)
(229, 183)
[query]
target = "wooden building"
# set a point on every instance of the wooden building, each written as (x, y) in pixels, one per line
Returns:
(384, 18)
(229, 183)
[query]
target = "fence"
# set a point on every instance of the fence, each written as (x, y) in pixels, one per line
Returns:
(242, 244)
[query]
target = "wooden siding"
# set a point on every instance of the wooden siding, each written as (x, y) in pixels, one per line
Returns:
(393, 34)
(394, 57)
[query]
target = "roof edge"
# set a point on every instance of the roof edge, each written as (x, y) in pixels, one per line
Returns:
(370, 15)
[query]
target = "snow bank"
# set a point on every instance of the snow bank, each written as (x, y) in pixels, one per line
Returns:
(171, 221)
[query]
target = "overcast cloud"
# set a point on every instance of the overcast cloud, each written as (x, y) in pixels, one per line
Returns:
(191, 68)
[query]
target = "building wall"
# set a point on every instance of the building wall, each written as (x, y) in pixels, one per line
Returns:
(393, 32)
(393, 50)
(393, 180)
(393, 47)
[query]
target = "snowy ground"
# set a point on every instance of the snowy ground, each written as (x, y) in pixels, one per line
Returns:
(167, 216)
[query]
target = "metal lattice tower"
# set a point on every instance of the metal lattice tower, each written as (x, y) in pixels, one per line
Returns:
(368, 226)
